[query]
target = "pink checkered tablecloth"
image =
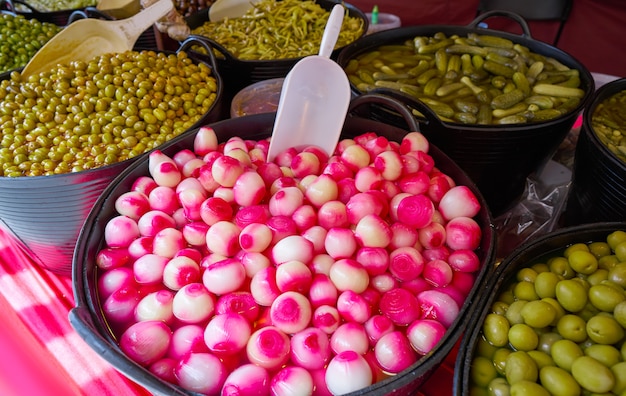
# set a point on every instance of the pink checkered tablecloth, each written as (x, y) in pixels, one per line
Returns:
(42, 355)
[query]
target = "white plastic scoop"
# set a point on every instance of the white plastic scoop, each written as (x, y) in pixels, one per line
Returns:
(87, 38)
(314, 98)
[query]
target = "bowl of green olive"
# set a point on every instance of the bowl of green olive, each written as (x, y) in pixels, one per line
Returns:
(598, 191)
(552, 319)
(66, 133)
(24, 38)
(57, 12)
(272, 36)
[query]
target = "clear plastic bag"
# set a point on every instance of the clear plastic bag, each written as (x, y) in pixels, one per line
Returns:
(537, 212)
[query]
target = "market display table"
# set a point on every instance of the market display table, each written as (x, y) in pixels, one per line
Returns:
(42, 355)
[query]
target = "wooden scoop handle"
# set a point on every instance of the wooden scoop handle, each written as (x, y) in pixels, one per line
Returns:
(134, 26)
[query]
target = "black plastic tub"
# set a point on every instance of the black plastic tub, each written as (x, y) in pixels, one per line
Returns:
(239, 73)
(60, 17)
(598, 190)
(526, 255)
(498, 158)
(87, 316)
(45, 213)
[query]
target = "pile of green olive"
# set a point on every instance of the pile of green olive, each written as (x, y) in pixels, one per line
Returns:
(559, 328)
(278, 30)
(21, 38)
(84, 115)
(472, 79)
(609, 123)
(56, 5)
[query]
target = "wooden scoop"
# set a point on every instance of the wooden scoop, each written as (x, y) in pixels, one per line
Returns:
(223, 9)
(85, 39)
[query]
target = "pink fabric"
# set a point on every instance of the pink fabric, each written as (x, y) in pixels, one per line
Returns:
(42, 354)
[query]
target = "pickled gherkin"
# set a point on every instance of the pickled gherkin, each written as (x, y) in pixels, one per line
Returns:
(609, 123)
(518, 85)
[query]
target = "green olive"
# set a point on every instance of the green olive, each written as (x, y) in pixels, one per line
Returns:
(572, 327)
(499, 387)
(605, 354)
(547, 339)
(571, 294)
(583, 261)
(482, 371)
(545, 284)
(558, 382)
(620, 251)
(522, 337)
(525, 290)
(599, 248)
(619, 372)
(617, 274)
(619, 313)
(605, 296)
(564, 352)
(499, 359)
(538, 313)
(541, 358)
(604, 329)
(615, 238)
(561, 266)
(592, 375)
(601, 274)
(608, 262)
(496, 330)
(514, 313)
(528, 388)
(520, 366)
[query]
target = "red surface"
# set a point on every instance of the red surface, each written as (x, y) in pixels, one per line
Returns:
(41, 353)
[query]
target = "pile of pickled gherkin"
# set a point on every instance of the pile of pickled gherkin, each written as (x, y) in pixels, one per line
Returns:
(21, 38)
(473, 79)
(558, 328)
(609, 123)
(84, 115)
(278, 30)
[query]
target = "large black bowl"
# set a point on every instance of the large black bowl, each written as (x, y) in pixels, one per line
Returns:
(87, 317)
(498, 158)
(239, 73)
(45, 213)
(20, 7)
(598, 191)
(524, 256)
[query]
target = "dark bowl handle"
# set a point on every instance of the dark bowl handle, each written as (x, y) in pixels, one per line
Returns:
(206, 44)
(6, 7)
(502, 13)
(215, 45)
(11, 4)
(407, 103)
